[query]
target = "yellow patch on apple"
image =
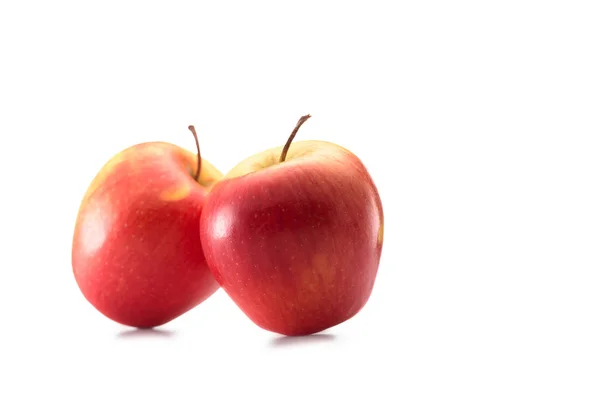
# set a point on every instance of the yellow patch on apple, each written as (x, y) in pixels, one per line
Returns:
(106, 170)
(380, 235)
(155, 150)
(176, 193)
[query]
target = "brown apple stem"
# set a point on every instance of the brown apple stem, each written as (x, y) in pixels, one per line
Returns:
(292, 136)
(191, 128)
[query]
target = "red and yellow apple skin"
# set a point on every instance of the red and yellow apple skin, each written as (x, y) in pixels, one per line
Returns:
(136, 252)
(295, 244)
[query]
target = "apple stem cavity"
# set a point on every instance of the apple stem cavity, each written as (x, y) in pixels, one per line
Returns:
(292, 136)
(197, 176)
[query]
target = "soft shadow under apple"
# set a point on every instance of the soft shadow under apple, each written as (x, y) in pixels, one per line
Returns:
(285, 341)
(145, 333)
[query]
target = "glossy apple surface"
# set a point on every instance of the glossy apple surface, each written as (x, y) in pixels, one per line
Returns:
(296, 244)
(136, 253)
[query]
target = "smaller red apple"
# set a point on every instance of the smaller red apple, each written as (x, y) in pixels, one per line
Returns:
(136, 252)
(295, 241)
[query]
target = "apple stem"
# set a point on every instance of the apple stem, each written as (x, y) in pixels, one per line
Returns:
(197, 176)
(291, 138)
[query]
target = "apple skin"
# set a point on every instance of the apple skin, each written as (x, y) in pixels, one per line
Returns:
(136, 253)
(297, 244)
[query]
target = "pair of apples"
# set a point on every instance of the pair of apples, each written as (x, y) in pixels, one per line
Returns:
(293, 235)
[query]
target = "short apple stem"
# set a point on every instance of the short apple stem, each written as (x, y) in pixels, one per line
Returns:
(292, 136)
(191, 128)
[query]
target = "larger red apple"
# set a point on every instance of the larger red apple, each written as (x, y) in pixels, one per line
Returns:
(294, 236)
(136, 252)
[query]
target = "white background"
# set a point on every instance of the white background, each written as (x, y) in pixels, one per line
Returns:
(479, 121)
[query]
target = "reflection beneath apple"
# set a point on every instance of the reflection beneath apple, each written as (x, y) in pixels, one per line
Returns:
(145, 333)
(284, 341)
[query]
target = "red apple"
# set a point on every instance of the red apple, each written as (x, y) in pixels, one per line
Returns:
(294, 236)
(136, 252)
